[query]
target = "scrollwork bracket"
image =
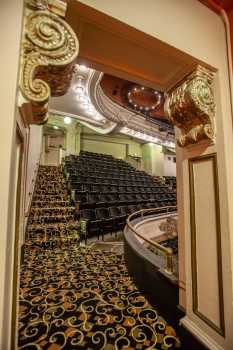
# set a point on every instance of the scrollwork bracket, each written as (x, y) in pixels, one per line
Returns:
(191, 107)
(50, 48)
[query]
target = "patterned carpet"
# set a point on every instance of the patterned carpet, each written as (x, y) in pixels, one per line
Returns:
(74, 297)
(84, 299)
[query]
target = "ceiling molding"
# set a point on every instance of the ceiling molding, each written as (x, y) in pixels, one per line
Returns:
(120, 115)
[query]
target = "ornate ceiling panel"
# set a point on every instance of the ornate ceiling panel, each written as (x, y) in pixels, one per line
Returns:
(140, 99)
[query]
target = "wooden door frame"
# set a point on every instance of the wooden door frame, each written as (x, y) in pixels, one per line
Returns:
(20, 141)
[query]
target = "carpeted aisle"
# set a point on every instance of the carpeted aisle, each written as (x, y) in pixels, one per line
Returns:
(84, 299)
(75, 297)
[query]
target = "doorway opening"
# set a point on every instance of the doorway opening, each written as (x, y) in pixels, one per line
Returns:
(124, 141)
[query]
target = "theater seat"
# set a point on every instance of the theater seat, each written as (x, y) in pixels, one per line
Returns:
(106, 221)
(119, 222)
(93, 224)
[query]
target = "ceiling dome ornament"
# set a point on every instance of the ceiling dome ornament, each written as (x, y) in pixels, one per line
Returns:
(143, 99)
(50, 48)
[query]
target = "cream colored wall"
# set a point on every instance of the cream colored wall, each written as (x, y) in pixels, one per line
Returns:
(116, 150)
(71, 139)
(146, 158)
(119, 146)
(71, 144)
(169, 165)
(200, 33)
(10, 28)
(153, 158)
(51, 151)
(157, 160)
(150, 155)
(34, 153)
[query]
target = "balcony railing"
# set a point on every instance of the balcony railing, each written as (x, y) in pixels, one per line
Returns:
(165, 211)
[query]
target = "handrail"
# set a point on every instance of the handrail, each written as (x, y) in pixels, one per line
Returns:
(167, 251)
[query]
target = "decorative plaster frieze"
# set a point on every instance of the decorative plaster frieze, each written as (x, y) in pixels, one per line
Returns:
(117, 114)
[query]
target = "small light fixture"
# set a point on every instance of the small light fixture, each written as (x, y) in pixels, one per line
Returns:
(67, 120)
(90, 110)
(55, 127)
(81, 98)
(79, 89)
(97, 117)
(85, 105)
(83, 67)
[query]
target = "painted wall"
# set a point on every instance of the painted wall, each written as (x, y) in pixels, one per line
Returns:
(157, 160)
(119, 146)
(149, 157)
(169, 165)
(34, 153)
(153, 159)
(10, 28)
(116, 150)
(79, 137)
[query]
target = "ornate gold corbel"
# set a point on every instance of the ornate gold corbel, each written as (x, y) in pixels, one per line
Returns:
(191, 108)
(50, 48)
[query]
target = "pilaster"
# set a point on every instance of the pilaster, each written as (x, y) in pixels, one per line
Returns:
(204, 235)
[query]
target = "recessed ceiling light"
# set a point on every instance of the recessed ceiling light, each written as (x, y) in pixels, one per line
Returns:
(82, 67)
(55, 127)
(67, 120)
(81, 98)
(97, 117)
(79, 89)
(85, 105)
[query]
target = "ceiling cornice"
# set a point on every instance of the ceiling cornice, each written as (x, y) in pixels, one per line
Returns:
(120, 115)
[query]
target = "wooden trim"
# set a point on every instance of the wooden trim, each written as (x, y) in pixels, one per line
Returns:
(20, 140)
(210, 323)
(92, 26)
(32, 187)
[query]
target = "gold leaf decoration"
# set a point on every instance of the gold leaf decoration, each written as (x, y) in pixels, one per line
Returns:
(191, 107)
(50, 46)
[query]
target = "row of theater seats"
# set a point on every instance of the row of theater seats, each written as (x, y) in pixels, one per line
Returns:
(171, 181)
(108, 189)
(100, 221)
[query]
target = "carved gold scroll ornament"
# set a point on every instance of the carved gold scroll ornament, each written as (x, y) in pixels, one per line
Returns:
(191, 107)
(49, 52)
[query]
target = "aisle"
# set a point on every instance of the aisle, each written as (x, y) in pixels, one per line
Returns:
(75, 297)
(84, 299)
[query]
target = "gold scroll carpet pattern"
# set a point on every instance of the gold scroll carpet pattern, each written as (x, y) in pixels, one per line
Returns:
(51, 223)
(74, 297)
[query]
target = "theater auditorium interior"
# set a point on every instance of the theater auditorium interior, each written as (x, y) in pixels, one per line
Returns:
(116, 175)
